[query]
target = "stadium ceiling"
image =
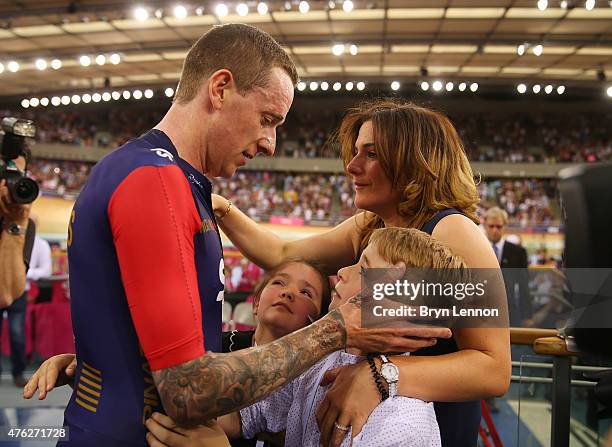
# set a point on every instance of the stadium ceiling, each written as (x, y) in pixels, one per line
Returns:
(405, 40)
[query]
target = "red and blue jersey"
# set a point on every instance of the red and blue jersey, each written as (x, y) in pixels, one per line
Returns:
(146, 282)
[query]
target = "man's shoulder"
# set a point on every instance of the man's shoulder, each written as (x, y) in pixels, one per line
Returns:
(138, 152)
(512, 247)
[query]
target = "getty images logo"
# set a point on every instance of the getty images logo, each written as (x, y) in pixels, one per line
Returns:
(163, 153)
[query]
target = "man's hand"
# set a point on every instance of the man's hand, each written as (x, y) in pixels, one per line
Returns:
(56, 371)
(10, 211)
(163, 431)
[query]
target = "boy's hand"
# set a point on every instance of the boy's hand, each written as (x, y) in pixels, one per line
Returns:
(56, 371)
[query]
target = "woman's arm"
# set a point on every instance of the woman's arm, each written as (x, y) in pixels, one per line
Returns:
(334, 249)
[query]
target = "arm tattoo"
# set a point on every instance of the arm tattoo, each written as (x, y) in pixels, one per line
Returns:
(216, 384)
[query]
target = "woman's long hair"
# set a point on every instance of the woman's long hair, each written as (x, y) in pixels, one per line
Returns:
(422, 155)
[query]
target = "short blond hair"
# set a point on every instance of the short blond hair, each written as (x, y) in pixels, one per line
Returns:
(248, 52)
(496, 212)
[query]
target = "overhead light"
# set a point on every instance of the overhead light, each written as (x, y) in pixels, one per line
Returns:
(314, 85)
(287, 6)
(537, 50)
(141, 14)
(126, 94)
(521, 88)
(65, 100)
(548, 89)
(353, 49)
(424, 86)
(34, 102)
(148, 93)
(348, 86)
(520, 50)
(360, 85)
(180, 12)
(56, 64)
(44, 102)
(536, 88)
(563, 4)
(450, 86)
(169, 92)
(137, 94)
(56, 101)
(221, 10)
(13, 66)
(75, 99)
(262, 8)
(25, 103)
(324, 86)
(589, 5)
(304, 7)
(96, 97)
(395, 85)
(116, 95)
(347, 6)
(85, 61)
(474, 86)
(106, 96)
(114, 58)
(242, 9)
(337, 86)
(159, 13)
(609, 91)
(100, 59)
(542, 5)
(331, 4)
(86, 98)
(561, 89)
(437, 86)
(1, 67)
(301, 86)
(338, 49)
(199, 11)
(41, 64)
(462, 87)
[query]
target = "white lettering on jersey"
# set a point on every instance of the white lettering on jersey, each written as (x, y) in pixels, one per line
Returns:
(163, 153)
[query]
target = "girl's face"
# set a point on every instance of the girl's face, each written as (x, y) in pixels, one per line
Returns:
(349, 278)
(291, 296)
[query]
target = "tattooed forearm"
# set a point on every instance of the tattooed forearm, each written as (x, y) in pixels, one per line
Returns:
(217, 384)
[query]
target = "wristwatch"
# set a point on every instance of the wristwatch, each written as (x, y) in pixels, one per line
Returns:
(14, 229)
(390, 372)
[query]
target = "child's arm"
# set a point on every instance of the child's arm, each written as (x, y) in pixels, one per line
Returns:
(55, 371)
(268, 415)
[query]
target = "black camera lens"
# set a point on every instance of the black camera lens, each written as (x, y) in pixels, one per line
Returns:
(23, 190)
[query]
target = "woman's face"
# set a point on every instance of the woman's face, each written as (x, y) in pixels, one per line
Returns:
(373, 189)
(291, 296)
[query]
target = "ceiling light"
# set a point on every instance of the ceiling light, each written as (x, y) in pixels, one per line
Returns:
(56, 101)
(521, 88)
(354, 49)
(262, 8)
(437, 86)
(148, 93)
(304, 7)
(462, 87)
(100, 59)
(324, 86)
(96, 97)
(561, 89)
(75, 99)
(450, 86)
(314, 85)
(65, 100)
(563, 4)
(141, 14)
(301, 86)
(169, 92)
(331, 4)
(106, 96)
(86, 98)
(608, 91)
(360, 85)
(1, 68)
(44, 102)
(589, 5)
(242, 9)
(395, 85)
(34, 102)
(221, 10)
(347, 6)
(85, 61)
(537, 50)
(180, 12)
(13, 66)
(159, 13)
(41, 64)
(424, 86)
(542, 5)
(56, 64)
(116, 95)
(137, 94)
(337, 86)
(25, 103)
(520, 50)
(548, 89)
(474, 86)
(114, 58)
(338, 49)
(348, 86)
(536, 88)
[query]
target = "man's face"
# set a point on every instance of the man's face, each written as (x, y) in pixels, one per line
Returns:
(20, 162)
(246, 125)
(494, 227)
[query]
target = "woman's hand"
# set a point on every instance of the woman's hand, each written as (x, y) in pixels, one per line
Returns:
(55, 371)
(219, 204)
(163, 431)
(349, 401)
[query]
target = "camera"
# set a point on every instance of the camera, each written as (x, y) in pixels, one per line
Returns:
(14, 133)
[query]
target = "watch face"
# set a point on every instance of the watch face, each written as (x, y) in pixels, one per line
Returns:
(390, 372)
